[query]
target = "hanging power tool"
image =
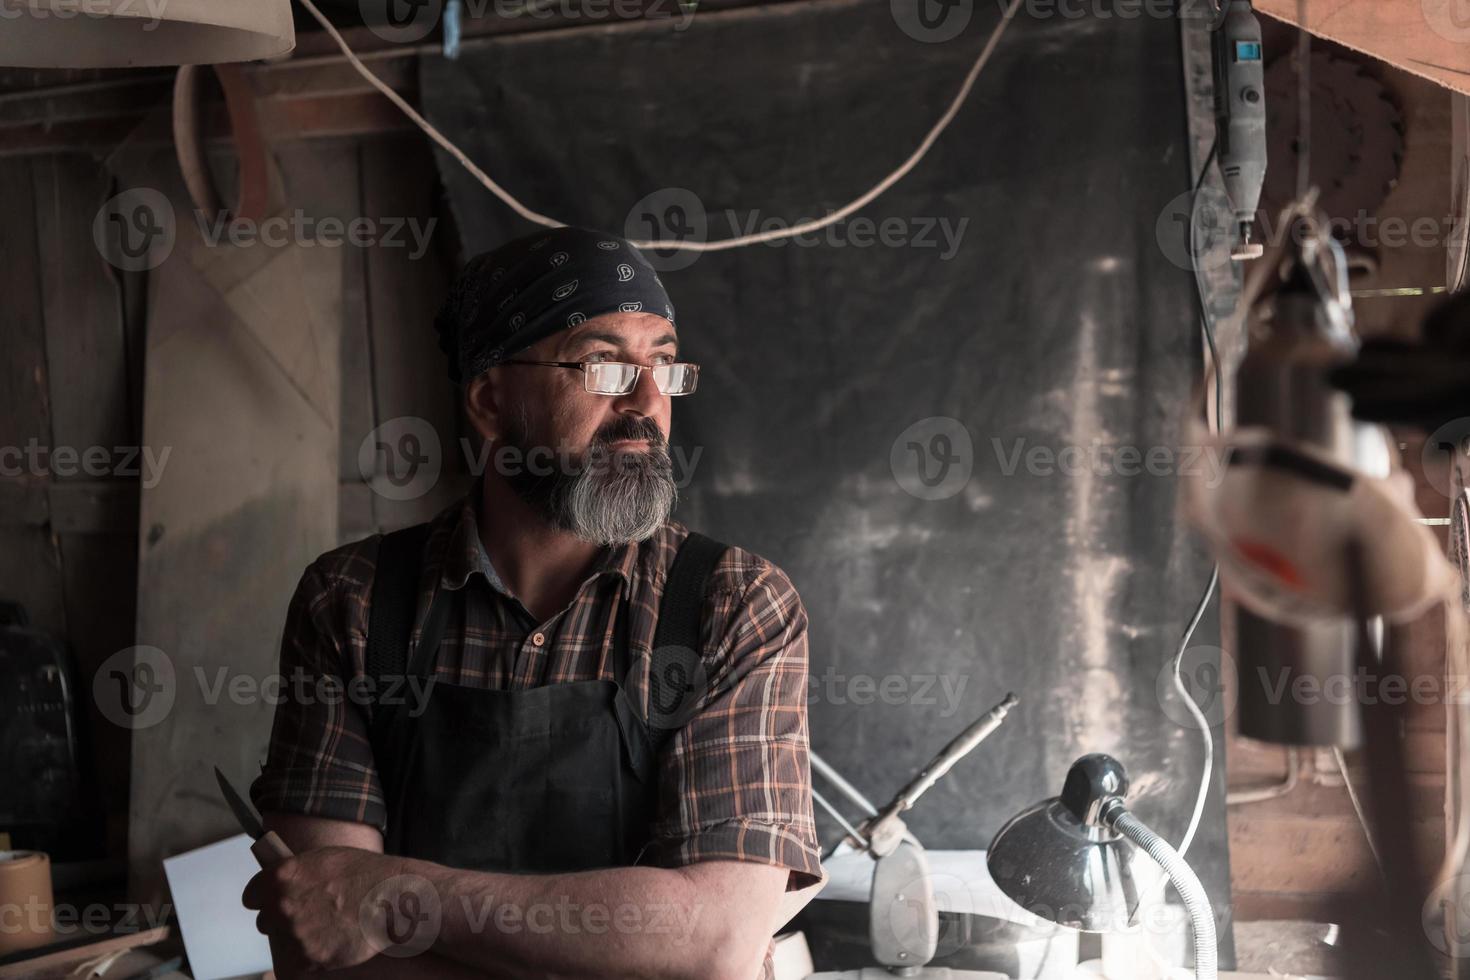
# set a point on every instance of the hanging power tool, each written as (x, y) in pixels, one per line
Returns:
(1320, 541)
(1240, 116)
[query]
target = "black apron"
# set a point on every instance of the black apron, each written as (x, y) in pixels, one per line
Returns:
(557, 778)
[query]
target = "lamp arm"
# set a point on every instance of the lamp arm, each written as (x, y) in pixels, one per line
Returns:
(1186, 882)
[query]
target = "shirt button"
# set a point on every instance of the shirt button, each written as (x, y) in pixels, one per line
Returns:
(538, 638)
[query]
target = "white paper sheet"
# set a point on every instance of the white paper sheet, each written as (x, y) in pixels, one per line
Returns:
(219, 933)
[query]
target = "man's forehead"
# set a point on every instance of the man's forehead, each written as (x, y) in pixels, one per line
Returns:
(625, 328)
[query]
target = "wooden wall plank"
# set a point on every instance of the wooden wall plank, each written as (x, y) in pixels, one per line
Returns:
(23, 412)
(404, 292)
(84, 330)
(325, 181)
(94, 515)
(31, 573)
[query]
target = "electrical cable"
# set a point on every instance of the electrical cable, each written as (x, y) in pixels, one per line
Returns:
(1275, 791)
(836, 814)
(803, 228)
(1200, 720)
(1199, 717)
(822, 768)
(423, 124)
(1457, 725)
(1177, 663)
(1347, 781)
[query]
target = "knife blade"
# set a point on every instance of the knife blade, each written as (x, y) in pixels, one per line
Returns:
(268, 848)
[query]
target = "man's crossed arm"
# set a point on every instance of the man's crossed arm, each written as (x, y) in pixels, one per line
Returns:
(343, 905)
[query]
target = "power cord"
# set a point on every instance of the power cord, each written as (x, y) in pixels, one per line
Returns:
(718, 245)
(1347, 782)
(1201, 722)
(1275, 791)
(1208, 328)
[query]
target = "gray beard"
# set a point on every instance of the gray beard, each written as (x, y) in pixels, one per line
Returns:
(604, 497)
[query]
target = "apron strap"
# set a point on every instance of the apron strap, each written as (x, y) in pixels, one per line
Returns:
(425, 654)
(677, 664)
(394, 601)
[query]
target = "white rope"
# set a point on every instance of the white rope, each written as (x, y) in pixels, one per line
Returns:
(424, 124)
(689, 246)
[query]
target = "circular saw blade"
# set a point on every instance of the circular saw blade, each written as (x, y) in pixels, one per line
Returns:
(1357, 140)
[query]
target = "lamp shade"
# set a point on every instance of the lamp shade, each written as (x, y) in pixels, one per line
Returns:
(1059, 861)
(1069, 860)
(140, 33)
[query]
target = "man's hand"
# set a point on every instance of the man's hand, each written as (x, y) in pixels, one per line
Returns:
(315, 906)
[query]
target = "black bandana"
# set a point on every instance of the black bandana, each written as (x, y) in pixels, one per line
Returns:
(528, 289)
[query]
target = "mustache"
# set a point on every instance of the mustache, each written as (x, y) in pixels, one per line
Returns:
(630, 428)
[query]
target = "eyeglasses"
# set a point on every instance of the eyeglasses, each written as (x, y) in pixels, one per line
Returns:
(617, 378)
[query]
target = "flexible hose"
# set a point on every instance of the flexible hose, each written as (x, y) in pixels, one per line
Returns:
(1196, 902)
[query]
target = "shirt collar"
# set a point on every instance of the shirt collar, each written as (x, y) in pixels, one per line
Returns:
(465, 554)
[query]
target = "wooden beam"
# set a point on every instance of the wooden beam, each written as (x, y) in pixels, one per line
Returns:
(1424, 37)
(314, 94)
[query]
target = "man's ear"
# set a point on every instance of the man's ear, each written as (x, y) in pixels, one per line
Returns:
(482, 403)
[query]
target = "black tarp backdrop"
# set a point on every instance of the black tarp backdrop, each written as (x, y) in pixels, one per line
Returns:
(1056, 321)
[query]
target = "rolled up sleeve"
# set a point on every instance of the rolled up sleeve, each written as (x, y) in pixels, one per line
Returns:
(735, 780)
(320, 761)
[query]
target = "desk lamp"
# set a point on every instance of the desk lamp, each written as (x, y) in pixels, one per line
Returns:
(1069, 859)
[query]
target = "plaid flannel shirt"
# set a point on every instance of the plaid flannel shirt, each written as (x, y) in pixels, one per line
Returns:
(733, 783)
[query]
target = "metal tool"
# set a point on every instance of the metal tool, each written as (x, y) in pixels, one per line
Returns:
(903, 911)
(268, 848)
(883, 832)
(1240, 116)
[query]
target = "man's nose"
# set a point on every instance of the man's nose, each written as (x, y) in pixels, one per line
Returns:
(645, 397)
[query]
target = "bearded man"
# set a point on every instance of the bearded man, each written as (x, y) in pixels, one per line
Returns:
(605, 773)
